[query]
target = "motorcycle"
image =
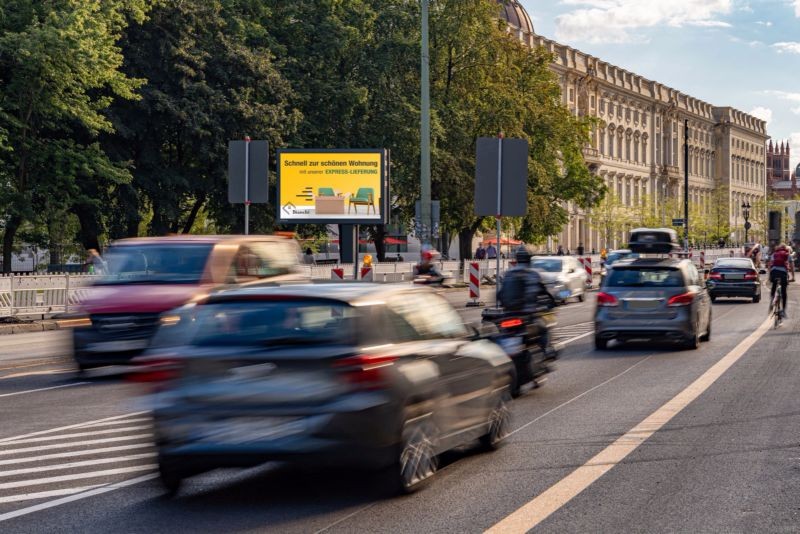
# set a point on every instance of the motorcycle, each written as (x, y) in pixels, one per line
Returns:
(515, 337)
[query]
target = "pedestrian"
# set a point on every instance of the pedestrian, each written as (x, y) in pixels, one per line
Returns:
(308, 257)
(580, 250)
(480, 252)
(95, 263)
(560, 251)
(491, 252)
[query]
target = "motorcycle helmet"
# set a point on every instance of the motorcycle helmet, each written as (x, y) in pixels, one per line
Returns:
(523, 255)
(429, 255)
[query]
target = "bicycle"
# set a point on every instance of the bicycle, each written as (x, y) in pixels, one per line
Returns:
(777, 306)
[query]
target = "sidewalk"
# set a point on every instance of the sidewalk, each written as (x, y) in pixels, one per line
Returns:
(23, 327)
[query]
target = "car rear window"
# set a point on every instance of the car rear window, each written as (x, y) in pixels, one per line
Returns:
(550, 266)
(261, 323)
(645, 277)
(736, 264)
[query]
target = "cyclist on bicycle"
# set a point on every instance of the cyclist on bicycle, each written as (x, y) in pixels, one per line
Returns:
(779, 265)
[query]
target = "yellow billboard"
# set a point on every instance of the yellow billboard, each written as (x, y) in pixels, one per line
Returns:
(332, 186)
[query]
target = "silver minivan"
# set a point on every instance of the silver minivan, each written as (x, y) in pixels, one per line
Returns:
(653, 298)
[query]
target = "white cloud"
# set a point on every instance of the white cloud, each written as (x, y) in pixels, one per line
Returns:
(791, 47)
(617, 20)
(794, 142)
(796, 4)
(796, 110)
(784, 95)
(766, 23)
(765, 114)
(754, 44)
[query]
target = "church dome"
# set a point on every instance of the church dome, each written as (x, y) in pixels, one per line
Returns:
(515, 15)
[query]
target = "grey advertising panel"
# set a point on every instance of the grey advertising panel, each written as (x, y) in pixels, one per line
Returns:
(513, 178)
(257, 169)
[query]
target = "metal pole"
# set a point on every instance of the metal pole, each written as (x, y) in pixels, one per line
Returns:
(499, 216)
(246, 185)
(686, 185)
(425, 132)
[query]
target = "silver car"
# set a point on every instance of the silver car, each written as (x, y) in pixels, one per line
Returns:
(653, 299)
(563, 274)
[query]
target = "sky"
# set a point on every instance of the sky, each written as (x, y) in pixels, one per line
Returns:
(739, 53)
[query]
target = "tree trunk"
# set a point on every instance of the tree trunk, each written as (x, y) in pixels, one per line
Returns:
(465, 243)
(89, 231)
(12, 225)
(198, 203)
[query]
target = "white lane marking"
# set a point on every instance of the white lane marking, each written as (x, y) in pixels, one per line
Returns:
(345, 518)
(78, 435)
(71, 465)
(43, 389)
(76, 476)
(68, 427)
(45, 494)
(85, 452)
(562, 344)
(551, 500)
(73, 498)
(118, 422)
(75, 444)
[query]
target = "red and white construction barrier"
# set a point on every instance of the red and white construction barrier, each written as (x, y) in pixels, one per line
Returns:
(337, 274)
(366, 274)
(702, 259)
(587, 265)
(474, 284)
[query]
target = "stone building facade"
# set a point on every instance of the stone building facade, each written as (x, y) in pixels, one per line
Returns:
(781, 181)
(638, 147)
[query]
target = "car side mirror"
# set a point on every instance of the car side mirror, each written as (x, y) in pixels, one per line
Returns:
(762, 271)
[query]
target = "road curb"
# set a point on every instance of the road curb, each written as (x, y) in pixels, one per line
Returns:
(26, 328)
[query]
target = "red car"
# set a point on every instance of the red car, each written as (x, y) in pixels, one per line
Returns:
(147, 277)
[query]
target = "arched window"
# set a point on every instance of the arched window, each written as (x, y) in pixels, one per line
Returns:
(636, 150)
(602, 146)
(611, 143)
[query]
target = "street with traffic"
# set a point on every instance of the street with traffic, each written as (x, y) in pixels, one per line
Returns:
(641, 437)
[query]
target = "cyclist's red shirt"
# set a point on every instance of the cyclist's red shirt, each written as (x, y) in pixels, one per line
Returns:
(780, 259)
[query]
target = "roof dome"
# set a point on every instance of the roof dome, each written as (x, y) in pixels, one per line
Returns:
(515, 15)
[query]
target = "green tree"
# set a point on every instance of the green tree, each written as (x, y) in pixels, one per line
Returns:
(60, 70)
(610, 218)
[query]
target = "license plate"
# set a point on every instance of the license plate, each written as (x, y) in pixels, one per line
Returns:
(511, 345)
(237, 432)
(121, 345)
(734, 277)
(642, 304)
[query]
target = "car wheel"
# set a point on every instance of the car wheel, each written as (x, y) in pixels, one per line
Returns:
(417, 460)
(757, 298)
(171, 478)
(707, 336)
(582, 296)
(693, 343)
(600, 343)
(713, 298)
(499, 423)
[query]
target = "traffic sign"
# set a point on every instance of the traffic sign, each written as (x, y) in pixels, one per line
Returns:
(677, 222)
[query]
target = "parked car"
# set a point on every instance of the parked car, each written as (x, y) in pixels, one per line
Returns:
(379, 376)
(653, 299)
(147, 277)
(565, 277)
(734, 277)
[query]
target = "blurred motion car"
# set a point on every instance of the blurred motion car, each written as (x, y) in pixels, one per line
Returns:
(734, 277)
(149, 276)
(564, 276)
(375, 376)
(653, 298)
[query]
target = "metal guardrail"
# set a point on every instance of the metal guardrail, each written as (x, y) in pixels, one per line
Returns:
(36, 294)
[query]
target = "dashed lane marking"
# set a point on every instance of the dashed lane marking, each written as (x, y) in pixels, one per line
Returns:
(76, 425)
(73, 465)
(74, 444)
(78, 435)
(43, 389)
(85, 452)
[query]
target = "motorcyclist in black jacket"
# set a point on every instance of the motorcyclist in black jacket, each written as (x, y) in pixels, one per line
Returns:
(524, 293)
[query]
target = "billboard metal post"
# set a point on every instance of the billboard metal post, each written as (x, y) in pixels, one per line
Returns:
(247, 185)
(686, 185)
(425, 130)
(498, 216)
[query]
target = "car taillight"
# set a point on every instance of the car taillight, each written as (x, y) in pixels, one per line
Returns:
(715, 276)
(684, 299)
(604, 299)
(365, 371)
(751, 275)
(155, 370)
(511, 323)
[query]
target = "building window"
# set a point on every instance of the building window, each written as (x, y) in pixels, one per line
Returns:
(602, 106)
(636, 150)
(593, 101)
(619, 146)
(611, 143)
(611, 108)
(571, 95)
(644, 152)
(602, 147)
(628, 149)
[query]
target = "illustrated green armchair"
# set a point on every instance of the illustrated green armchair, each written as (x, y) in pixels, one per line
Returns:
(365, 196)
(326, 192)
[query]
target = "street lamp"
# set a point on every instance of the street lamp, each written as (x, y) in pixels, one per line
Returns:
(746, 213)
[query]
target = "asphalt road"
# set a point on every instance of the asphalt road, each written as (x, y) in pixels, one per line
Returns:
(641, 438)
